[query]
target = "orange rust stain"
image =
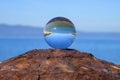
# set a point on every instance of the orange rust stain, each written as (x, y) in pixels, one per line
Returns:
(47, 62)
(21, 59)
(23, 65)
(65, 67)
(85, 68)
(115, 67)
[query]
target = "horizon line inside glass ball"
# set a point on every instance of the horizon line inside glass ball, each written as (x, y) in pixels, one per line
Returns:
(59, 32)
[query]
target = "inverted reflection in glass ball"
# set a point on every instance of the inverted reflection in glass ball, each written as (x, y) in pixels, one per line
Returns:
(59, 32)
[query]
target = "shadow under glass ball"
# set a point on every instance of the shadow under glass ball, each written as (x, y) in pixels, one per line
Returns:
(59, 32)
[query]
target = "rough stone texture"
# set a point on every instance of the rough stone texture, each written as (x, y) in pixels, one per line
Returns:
(56, 64)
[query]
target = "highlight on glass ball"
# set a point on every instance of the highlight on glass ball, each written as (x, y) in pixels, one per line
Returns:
(59, 32)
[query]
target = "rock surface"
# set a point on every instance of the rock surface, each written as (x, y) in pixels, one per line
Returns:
(56, 64)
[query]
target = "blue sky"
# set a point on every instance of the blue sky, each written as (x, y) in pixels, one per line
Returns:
(87, 15)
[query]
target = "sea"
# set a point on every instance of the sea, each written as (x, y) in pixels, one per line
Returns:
(105, 48)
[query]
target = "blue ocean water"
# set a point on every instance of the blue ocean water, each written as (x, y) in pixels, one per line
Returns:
(103, 48)
(60, 40)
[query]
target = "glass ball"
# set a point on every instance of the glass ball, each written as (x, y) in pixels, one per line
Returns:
(59, 32)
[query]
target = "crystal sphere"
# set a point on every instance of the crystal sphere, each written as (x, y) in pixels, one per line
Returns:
(59, 32)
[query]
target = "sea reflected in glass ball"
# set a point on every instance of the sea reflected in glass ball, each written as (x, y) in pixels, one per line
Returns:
(59, 32)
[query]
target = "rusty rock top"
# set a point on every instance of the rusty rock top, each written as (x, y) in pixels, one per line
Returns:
(57, 64)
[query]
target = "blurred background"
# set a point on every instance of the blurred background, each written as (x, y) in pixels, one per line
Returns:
(97, 23)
